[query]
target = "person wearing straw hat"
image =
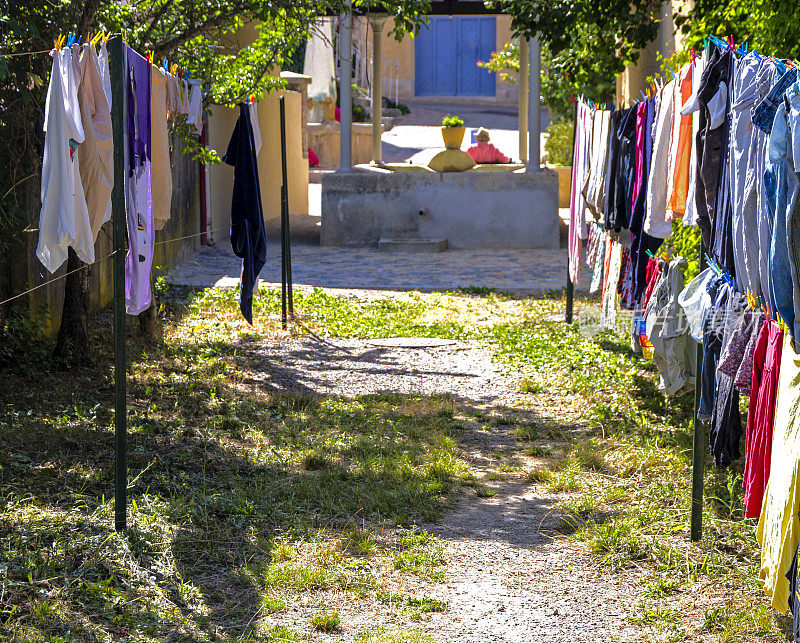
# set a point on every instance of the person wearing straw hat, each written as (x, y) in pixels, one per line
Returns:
(484, 151)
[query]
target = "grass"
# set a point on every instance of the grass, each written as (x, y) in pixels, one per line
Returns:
(326, 622)
(245, 501)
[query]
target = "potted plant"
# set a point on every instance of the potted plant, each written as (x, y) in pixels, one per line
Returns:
(452, 132)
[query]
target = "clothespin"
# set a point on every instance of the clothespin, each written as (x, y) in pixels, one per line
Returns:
(649, 254)
(694, 55)
(59, 42)
(165, 64)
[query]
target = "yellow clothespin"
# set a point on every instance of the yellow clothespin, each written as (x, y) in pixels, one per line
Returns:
(173, 70)
(59, 41)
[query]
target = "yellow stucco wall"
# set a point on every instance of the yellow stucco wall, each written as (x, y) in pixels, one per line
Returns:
(403, 52)
(633, 80)
(220, 177)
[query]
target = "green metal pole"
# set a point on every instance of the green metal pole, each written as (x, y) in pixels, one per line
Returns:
(570, 296)
(698, 441)
(287, 245)
(284, 231)
(118, 218)
(570, 286)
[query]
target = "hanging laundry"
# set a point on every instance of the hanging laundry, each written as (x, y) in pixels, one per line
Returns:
(673, 351)
(161, 166)
(96, 153)
(195, 116)
(761, 416)
(64, 217)
(139, 201)
(613, 263)
(248, 237)
(778, 528)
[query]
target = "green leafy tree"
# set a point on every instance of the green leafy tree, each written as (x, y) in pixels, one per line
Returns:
(198, 35)
(771, 26)
(585, 44)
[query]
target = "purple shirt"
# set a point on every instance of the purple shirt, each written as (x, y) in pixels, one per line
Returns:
(138, 193)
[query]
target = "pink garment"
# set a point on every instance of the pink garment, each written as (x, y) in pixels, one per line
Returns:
(641, 124)
(761, 416)
(485, 152)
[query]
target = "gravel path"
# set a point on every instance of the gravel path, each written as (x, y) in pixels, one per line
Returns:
(509, 577)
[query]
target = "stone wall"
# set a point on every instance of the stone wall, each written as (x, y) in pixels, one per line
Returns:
(475, 209)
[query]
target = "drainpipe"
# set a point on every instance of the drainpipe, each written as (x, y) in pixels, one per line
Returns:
(534, 107)
(377, 23)
(346, 89)
(522, 107)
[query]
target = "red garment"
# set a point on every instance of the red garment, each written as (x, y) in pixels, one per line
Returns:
(485, 152)
(761, 416)
(313, 159)
(652, 274)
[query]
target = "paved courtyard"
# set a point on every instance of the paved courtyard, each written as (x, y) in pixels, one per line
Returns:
(534, 271)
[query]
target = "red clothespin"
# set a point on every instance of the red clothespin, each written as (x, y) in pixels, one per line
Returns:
(252, 98)
(730, 43)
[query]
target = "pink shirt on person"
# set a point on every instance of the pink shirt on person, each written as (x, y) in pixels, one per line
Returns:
(485, 152)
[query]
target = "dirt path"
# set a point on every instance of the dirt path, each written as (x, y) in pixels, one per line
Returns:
(510, 577)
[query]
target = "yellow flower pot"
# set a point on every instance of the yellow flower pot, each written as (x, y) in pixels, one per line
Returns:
(452, 137)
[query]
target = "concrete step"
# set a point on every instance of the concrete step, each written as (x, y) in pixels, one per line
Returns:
(399, 244)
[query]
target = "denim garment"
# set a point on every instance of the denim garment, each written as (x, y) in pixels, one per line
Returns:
(782, 186)
(711, 139)
(749, 145)
(764, 112)
(793, 212)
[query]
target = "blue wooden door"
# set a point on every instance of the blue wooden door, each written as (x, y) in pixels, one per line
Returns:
(447, 53)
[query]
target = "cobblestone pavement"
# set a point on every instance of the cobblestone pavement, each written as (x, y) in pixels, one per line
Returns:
(523, 272)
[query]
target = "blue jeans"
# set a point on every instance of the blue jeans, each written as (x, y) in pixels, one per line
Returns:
(764, 112)
(793, 212)
(782, 186)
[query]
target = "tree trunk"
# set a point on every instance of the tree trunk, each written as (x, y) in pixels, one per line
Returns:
(72, 346)
(149, 330)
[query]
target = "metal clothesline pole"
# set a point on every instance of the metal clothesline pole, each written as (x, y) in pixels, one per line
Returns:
(118, 218)
(698, 440)
(287, 300)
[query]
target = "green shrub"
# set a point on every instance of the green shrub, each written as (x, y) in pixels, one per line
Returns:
(560, 142)
(452, 121)
(685, 241)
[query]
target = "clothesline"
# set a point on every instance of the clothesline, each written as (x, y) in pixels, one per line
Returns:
(59, 278)
(25, 53)
(108, 256)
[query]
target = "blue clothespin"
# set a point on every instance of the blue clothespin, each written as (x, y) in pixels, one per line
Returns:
(165, 64)
(70, 39)
(78, 42)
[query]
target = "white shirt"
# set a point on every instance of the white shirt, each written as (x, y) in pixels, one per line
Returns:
(196, 108)
(64, 218)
